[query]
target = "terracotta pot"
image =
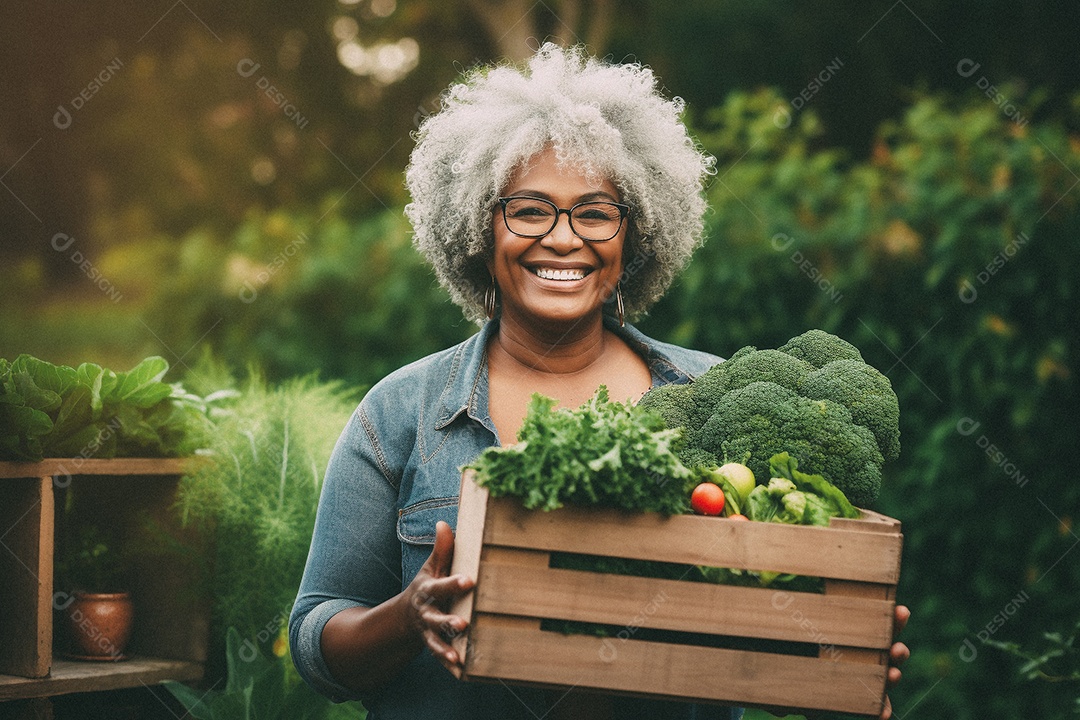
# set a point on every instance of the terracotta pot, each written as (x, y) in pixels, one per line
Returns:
(100, 625)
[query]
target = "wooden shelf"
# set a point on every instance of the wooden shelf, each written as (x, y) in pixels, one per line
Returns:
(95, 466)
(72, 676)
(171, 615)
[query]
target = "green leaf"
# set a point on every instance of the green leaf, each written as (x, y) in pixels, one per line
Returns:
(74, 414)
(32, 394)
(761, 505)
(58, 379)
(100, 382)
(24, 427)
(785, 466)
(141, 386)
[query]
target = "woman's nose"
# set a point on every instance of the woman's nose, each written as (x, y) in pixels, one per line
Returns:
(562, 239)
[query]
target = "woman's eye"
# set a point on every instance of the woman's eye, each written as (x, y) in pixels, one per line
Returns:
(597, 214)
(531, 211)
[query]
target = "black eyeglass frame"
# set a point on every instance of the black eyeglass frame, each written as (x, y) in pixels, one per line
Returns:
(624, 211)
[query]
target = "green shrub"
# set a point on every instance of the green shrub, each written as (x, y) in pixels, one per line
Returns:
(257, 492)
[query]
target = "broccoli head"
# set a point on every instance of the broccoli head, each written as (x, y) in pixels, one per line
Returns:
(819, 348)
(746, 366)
(672, 403)
(814, 398)
(761, 366)
(866, 393)
(757, 421)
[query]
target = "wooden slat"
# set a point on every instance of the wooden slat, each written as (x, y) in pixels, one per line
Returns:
(46, 544)
(468, 542)
(515, 653)
(96, 466)
(870, 521)
(70, 676)
(26, 576)
(803, 550)
(687, 606)
(517, 557)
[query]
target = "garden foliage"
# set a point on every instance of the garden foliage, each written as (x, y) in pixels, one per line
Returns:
(949, 258)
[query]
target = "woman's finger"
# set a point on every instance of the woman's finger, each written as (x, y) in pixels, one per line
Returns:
(442, 650)
(902, 615)
(447, 626)
(436, 593)
(898, 654)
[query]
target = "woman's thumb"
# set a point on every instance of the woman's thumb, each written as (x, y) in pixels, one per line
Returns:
(443, 552)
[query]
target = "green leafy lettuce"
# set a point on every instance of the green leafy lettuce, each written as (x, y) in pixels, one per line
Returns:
(603, 453)
(796, 498)
(51, 410)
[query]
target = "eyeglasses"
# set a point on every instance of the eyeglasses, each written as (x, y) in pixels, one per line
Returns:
(534, 218)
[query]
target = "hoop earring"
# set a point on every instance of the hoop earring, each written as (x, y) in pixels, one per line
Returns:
(619, 305)
(489, 299)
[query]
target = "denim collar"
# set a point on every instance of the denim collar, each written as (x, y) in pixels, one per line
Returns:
(467, 382)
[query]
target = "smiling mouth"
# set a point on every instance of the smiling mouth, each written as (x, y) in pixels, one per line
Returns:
(564, 274)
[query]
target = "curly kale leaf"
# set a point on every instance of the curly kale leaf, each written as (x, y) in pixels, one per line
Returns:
(604, 453)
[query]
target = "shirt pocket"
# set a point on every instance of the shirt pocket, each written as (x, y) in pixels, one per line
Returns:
(416, 531)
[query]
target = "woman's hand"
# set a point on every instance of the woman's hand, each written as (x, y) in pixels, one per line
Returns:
(898, 653)
(429, 596)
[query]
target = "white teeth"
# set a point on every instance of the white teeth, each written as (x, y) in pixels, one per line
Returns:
(569, 274)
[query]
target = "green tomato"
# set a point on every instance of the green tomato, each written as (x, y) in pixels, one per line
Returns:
(740, 477)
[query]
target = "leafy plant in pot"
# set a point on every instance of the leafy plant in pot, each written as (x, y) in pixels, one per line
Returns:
(98, 612)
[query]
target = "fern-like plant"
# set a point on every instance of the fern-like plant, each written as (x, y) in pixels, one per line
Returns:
(257, 493)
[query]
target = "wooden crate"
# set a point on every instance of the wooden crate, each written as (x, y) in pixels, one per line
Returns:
(508, 550)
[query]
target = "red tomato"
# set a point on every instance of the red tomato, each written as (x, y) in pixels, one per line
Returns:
(707, 499)
(737, 517)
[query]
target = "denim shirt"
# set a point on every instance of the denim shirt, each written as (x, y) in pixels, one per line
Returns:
(393, 474)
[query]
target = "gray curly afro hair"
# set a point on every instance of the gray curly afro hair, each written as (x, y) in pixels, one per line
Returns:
(610, 120)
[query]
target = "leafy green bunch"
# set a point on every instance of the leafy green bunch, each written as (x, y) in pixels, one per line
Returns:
(91, 411)
(603, 453)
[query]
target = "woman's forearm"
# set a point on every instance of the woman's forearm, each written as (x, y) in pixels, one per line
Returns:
(365, 648)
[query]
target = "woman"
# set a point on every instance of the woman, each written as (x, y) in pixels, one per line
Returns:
(553, 203)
